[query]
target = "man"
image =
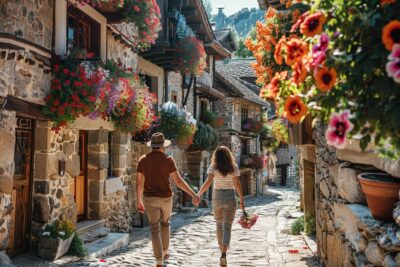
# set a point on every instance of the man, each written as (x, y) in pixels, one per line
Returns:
(154, 193)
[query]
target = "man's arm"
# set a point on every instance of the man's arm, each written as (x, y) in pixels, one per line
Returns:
(176, 177)
(139, 191)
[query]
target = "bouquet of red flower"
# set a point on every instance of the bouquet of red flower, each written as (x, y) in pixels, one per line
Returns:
(247, 221)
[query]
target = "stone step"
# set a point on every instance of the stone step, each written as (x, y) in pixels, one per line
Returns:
(86, 226)
(94, 234)
(104, 246)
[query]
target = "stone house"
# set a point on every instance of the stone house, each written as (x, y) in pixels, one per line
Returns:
(86, 172)
(240, 103)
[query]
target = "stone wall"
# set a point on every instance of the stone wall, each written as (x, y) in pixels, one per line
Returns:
(347, 234)
(23, 75)
(119, 52)
(27, 19)
(7, 142)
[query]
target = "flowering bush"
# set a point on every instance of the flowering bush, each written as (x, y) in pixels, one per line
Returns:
(80, 88)
(251, 125)
(247, 221)
(145, 14)
(191, 56)
(72, 91)
(59, 229)
(342, 58)
(177, 124)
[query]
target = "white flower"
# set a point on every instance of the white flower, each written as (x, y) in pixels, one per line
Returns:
(61, 233)
(46, 234)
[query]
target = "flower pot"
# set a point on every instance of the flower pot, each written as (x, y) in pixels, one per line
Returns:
(382, 192)
(52, 249)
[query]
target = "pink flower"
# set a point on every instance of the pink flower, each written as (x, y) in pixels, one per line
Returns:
(339, 126)
(136, 8)
(393, 66)
(319, 51)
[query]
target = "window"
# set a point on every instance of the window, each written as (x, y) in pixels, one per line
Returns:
(174, 97)
(245, 113)
(110, 155)
(82, 32)
(203, 106)
(245, 147)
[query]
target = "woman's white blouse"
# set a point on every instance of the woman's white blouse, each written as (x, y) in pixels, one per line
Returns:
(223, 182)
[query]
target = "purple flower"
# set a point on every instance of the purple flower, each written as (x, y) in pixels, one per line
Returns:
(393, 66)
(319, 51)
(339, 126)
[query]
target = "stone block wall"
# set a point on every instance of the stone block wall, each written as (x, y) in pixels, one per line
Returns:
(23, 75)
(52, 197)
(347, 234)
(27, 19)
(119, 52)
(7, 142)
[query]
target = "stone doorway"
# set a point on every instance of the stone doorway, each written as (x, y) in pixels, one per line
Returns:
(21, 193)
(79, 185)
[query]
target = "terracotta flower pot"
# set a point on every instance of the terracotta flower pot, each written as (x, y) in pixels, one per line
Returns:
(382, 192)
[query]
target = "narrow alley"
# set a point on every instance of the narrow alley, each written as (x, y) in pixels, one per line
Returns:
(193, 242)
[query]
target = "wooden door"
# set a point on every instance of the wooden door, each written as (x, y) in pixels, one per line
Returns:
(20, 226)
(79, 186)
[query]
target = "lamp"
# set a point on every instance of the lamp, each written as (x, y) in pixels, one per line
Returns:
(61, 167)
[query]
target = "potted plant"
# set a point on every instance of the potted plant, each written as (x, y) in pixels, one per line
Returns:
(205, 138)
(382, 192)
(190, 56)
(55, 240)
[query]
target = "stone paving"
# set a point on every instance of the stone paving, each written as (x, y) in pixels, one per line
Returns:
(193, 241)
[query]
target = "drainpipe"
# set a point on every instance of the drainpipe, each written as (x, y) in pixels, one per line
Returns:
(166, 89)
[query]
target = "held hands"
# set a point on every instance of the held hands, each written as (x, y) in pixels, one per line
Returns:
(196, 200)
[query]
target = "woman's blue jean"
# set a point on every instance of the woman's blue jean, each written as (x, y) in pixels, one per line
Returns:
(224, 206)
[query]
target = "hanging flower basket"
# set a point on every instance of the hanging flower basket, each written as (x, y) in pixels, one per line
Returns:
(382, 192)
(190, 56)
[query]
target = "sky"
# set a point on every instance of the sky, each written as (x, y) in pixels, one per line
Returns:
(232, 6)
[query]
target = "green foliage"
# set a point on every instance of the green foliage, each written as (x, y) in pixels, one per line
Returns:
(365, 89)
(208, 117)
(242, 51)
(297, 226)
(309, 225)
(205, 138)
(77, 247)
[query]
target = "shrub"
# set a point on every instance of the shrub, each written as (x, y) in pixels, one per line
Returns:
(205, 138)
(58, 229)
(297, 226)
(77, 247)
(309, 225)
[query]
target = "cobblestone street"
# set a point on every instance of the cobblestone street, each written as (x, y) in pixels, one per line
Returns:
(193, 240)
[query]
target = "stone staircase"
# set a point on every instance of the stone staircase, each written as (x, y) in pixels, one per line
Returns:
(98, 239)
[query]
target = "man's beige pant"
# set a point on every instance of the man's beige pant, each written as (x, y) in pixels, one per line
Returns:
(159, 213)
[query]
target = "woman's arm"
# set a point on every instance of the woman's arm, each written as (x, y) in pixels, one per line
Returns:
(206, 185)
(238, 186)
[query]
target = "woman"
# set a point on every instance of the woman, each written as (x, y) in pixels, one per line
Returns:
(225, 174)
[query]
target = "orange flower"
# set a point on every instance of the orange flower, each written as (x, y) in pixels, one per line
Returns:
(387, 2)
(271, 91)
(278, 51)
(271, 12)
(294, 109)
(313, 24)
(296, 49)
(325, 79)
(391, 34)
(299, 73)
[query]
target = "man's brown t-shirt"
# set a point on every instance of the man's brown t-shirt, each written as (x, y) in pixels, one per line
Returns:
(156, 167)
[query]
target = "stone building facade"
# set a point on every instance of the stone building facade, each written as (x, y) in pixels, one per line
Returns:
(347, 234)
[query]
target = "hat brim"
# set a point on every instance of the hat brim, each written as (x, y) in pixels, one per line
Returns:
(165, 144)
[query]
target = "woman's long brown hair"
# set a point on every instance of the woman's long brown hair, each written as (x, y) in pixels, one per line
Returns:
(223, 160)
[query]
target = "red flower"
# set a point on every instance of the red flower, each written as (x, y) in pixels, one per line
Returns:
(67, 82)
(92, 98)
(56, 68)
(83, 92)
(136, 8)
(56, 102)
(73, 74)
(90, 55)
(78, 84)
(66, 71)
